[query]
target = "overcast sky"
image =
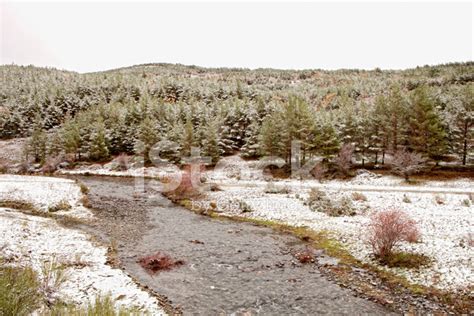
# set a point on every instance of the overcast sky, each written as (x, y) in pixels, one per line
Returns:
(89, 37)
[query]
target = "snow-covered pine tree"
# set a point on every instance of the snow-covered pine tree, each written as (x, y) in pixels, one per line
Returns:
(252, 146)
(426, 131)
(210, 144)
(460, 116)
(146, 138)
(71, 138)
(98, 149)
(55, 144)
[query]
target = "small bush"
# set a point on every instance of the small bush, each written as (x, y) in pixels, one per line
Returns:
(245, 207)
(62, 205)
(19, 291)
(466, 202)
(388, 229)
(406, 199)
(84, 188)
(357, 196)
(158, 262)
(305, 256)
(319, 201)
(271, 188)
(439, 200)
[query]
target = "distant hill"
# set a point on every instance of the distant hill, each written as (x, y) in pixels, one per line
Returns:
(33, 97)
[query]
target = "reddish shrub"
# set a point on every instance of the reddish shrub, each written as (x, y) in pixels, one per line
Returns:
(123, 162)
(305, 256)
(51, 164)
(388, 228)
(407, 163)
(158, 262)
(186, 189)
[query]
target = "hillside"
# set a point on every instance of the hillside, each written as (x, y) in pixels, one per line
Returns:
(258, 112)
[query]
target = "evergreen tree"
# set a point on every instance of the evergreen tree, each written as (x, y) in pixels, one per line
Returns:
(251, 147)
(71, 138)
(210, 144)
(270, 138)
(146, 138)
(426, 132)
(188, 138)
(36, 145)
(55, 144)
(325, 141)
(98, 149)
(461, 121)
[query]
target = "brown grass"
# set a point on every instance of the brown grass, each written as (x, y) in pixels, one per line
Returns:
(357, 196)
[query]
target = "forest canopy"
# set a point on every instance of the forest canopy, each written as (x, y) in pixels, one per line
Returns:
(427, 110)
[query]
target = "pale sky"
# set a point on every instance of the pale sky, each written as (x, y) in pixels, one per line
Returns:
(90, 36)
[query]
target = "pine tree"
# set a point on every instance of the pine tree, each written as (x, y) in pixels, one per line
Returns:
(251, 147)
(188, 138)
(71, 138)
(210, 143)
(460, 114)
(146, 138)
(396, 111)
(98, 149)
(379, 127)
(55, 144)
(270, 137)
(325, 141)
(426, 132)
(36, 145)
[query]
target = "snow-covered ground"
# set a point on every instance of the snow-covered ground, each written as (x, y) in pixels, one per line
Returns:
(444, 211)
(439, 207)
(33, 240)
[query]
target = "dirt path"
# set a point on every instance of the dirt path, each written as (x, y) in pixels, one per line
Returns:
(230, 268)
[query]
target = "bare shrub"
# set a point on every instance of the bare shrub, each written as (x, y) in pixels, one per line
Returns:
(123, 162)
(319, 171)
(51, 164)
(344, 158)
(357, 196)
(388, 229)
(158, 262)
(406, 163)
